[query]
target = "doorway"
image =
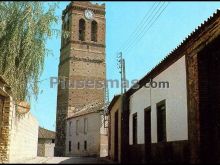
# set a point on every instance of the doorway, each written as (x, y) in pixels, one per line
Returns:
(116, 137)
(147, 133)
(209, 101)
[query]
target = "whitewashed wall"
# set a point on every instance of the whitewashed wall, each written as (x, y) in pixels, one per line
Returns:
(176, 104)
(24, 138)
(92, 136)
(49, 149)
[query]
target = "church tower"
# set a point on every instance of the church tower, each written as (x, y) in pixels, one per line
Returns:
(82, 59)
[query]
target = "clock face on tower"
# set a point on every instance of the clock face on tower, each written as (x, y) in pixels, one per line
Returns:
(89, 14)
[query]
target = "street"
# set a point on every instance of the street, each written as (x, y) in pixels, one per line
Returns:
(68, 160)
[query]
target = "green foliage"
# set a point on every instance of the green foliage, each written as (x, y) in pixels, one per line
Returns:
(24, 29)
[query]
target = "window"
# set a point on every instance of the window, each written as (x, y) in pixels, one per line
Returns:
(147, 125)
(135, 128)
(82, 29)
(77, 125)
(85, 125)
(70, 146)
(85, 145)
(70, 123)
(78, 146)
(161, 121)
(94, 31)
(53, 140)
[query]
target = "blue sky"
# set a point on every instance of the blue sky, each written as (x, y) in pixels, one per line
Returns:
(177, 21)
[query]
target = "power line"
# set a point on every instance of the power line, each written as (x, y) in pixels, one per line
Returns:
(138, 27)
(145, 24)
(149, 26)
(152, 21)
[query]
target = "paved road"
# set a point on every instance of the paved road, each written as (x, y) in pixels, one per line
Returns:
(69, 160)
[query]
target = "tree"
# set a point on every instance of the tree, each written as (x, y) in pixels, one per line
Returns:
(24, 29)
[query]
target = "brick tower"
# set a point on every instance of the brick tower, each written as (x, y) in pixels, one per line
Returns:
(82, 57)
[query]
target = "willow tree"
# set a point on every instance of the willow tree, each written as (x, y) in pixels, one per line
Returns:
(24, 29)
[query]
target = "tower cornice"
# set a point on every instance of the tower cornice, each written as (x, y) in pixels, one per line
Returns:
(81, 6)
(83, 43)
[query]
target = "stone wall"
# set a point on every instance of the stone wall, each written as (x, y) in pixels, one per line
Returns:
(18, 134)
(41, 150)
(5, 128)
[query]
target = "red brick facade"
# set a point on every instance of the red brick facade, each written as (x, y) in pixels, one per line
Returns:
(79, 60)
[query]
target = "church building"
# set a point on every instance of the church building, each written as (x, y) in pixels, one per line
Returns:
(82, 62)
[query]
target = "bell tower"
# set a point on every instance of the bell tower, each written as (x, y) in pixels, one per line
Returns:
(82, 61)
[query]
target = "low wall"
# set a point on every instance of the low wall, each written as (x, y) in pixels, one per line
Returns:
(49, 149)
(41, 150)
(45, 148)
(24, 138)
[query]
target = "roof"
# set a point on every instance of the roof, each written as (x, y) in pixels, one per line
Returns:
(175, 54)
(45, 134)
(115, 98)
(90, 108)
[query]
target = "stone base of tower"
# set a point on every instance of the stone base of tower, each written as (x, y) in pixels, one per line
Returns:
(59, 151)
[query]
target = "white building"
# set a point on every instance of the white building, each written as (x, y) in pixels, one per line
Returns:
(176, 118)
(46, 142)
(86, 135)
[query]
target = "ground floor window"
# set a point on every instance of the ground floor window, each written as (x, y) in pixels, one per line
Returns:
(135, 128)
(85, 145)
(78, 146)
(70, 146)
(161, 121)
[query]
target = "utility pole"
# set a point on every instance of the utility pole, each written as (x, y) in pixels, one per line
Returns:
(124, 111)
(105, 115)
(124, 77)
(106, 95)
(121, 67)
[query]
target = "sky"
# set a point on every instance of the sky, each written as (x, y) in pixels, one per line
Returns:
(175, 23)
